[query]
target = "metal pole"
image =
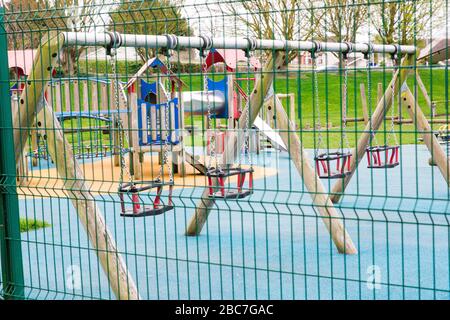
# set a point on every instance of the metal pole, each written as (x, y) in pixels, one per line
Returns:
(10, 245)
(116, 40)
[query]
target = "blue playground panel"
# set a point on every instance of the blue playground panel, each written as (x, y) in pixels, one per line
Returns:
(145, 128)
(268, 246)
(222, 86)
(149, 129)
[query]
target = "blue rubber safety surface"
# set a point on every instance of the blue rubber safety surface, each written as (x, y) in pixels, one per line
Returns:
(271, 245)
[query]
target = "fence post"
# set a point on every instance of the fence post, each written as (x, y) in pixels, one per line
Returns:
(10, 245)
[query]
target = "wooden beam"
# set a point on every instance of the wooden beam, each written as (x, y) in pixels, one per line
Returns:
(291, 105)
(364, 103)
(34, 146)
(379, 92)
(423, 89)
(90, 216)
(433, 120)
(116, 139)
(422, 125)
(31, 98)
(328, 213)
(292, 112)
(260, 90)
(376, 120)
(32, 106)
(361, 119)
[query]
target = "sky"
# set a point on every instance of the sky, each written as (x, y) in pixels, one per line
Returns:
(204, 14)
(211, 17)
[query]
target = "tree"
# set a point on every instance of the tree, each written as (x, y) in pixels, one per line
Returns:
(23, 28)
(149, 17)
(275, 19)
(339, 21)
(403, 22)
(28, 20)
(77, 16)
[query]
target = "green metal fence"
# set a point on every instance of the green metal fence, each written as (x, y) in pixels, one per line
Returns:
(224, 150)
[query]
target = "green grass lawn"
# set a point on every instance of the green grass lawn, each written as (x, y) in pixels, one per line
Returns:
(300, 83)
(27, 224)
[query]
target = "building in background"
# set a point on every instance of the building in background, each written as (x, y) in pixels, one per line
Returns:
(436, 51)
(20, 62)
(326, 60)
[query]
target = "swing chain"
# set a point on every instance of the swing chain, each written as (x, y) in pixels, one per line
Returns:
(345, 94)
(317, 48)
(212, 141)
(394, 70)
(369, 93)
(113, 57)
(207, 45)
(344, 105)
(165, 160)
(247, 109)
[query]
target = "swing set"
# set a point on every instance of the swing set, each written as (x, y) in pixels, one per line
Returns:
(332, 165)
(384, 156)
(337, 165)
(130, 193)
(216, 174)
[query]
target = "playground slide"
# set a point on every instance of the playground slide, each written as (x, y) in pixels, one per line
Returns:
(261, 125)
(195, 102)
(267, 130)
(190, 158)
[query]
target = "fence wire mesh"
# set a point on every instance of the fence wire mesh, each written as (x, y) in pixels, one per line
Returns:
(263, 149)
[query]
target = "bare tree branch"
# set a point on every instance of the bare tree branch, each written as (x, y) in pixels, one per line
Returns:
(155, 17)
(281, 19)
(403, 22)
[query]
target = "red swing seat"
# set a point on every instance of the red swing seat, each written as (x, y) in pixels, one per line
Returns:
(220, 191)
(379, 157)
(138, 208)
(333, 165)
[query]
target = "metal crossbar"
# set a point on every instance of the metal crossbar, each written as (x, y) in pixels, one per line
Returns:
(170, 41)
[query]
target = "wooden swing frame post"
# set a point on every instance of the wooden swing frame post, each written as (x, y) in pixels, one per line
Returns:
(365, 111)
(290, 97)
(423, 89)
(328, 213)
(32, 108)
(416, 114)
(375, 122)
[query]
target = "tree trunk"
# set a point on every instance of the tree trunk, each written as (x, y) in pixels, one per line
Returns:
(69, 61)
